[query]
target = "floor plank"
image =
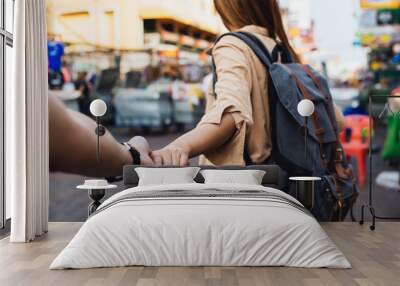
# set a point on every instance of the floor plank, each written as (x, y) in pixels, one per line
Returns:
(375, 257)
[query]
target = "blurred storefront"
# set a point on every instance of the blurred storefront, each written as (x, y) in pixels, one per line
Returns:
(140, 31)
(134, 54)
(380, 33)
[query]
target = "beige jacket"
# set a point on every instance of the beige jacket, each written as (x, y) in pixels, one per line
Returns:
(242, 91)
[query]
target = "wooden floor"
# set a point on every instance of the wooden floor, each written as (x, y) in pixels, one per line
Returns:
(375, 257)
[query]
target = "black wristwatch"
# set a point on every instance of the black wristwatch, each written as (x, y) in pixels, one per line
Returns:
(134, 153)
(135, 161)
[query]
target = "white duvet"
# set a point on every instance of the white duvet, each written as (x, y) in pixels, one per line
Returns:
(206, 231)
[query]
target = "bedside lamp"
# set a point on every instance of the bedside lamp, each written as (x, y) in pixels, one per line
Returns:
(305, 108)
(305, 186)
(98, 108)
(97, 188)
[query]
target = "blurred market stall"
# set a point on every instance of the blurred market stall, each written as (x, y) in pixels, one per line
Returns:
(124, 47)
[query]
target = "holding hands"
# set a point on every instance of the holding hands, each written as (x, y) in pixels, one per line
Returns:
(171, 155)
(198, 141)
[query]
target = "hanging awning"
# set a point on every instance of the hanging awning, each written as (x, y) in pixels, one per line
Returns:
(208, 24)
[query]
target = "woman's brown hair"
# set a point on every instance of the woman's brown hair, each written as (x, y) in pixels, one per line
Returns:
(264, 13)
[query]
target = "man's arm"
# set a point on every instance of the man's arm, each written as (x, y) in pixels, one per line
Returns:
(73, 145)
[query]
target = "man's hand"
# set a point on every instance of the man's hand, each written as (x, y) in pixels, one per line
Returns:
(171, 155)
(143, 147)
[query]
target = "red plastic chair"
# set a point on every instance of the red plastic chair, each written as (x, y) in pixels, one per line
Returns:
(358, 144)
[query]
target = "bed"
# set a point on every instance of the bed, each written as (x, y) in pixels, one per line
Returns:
(198, 224)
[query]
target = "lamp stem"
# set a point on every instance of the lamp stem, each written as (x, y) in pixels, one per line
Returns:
(98, 140)
(305, 137)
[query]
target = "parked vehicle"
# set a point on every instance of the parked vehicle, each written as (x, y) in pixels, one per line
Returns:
(143, 108)
(162, 104)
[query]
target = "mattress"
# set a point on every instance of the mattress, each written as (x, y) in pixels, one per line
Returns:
(201, 225)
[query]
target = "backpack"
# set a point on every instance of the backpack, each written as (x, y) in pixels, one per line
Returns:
(289, 83)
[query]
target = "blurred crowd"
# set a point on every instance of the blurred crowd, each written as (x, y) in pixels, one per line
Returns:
(165, 95)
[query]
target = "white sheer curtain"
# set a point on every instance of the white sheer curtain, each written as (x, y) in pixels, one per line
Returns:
(27, 124)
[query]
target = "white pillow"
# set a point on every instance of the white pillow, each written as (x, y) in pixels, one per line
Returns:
(166, 176)
(244, 177)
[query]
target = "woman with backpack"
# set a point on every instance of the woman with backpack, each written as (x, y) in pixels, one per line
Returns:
(236, 128)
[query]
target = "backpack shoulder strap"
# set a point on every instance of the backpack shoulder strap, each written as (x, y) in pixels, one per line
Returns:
(281, 51)
(255, 45)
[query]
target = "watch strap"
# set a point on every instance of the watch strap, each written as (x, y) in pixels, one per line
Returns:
(134, 153)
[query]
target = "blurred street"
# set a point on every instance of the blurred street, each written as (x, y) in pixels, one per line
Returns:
(153, 70)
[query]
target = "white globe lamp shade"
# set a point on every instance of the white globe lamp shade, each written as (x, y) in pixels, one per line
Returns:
(306, 108)
(98, 108)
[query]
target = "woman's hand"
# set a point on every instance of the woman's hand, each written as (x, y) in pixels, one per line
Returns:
(171, 155)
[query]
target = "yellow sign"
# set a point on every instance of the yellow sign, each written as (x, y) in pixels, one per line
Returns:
(380, 4)
(371, 40)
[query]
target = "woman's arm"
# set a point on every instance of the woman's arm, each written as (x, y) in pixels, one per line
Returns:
(203, 138)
